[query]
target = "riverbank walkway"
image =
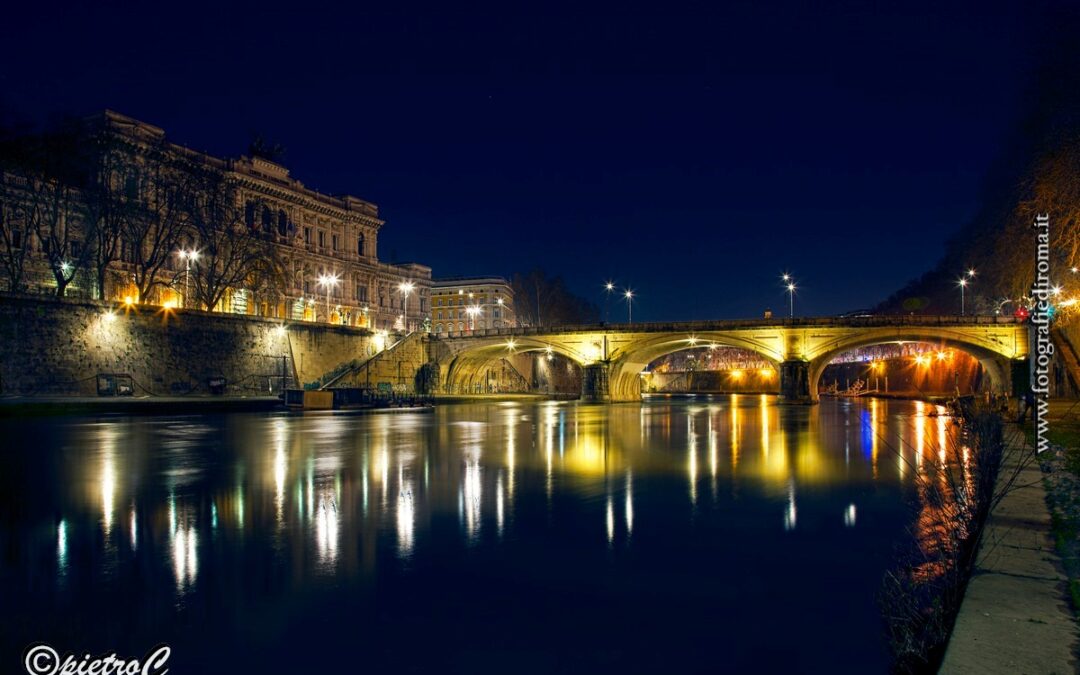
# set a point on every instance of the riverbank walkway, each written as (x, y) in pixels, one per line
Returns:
(1015, 618)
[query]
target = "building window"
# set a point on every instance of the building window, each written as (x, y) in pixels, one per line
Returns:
(249, 214)
(267, 220)
(282, 223)
(322, 239)
(334, 241)
(438, 328)
(361, 292)
(360, 245)
(16, 239)
(307, 236)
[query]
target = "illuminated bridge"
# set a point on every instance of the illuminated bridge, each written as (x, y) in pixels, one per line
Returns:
(612, 356)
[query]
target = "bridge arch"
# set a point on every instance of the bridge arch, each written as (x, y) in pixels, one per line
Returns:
(627, 366)
(467, 361)
(993, 356)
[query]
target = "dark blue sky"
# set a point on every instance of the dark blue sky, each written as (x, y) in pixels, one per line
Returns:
(692, 151)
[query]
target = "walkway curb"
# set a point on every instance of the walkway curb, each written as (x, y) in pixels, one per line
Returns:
(1014, 618)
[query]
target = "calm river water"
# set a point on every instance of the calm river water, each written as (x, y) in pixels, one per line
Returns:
(726, 534)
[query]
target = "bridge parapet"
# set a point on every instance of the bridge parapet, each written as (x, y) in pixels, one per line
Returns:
(876, 320)
(626, 349)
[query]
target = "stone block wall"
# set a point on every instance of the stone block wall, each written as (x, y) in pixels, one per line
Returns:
(58, 347)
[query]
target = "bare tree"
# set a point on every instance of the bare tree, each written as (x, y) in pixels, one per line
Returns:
(232, 255)
(153, 230)
(13, 245)
(53, 211)
(541, 300)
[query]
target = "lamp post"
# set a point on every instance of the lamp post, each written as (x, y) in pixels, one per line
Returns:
(789, 283)
(472, 311)
(187, 255)
(629, 295)
(963, 282)
(406, 287)
(328, 281)
(609, 287)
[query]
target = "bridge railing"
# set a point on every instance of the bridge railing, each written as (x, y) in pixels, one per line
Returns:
(871, 321)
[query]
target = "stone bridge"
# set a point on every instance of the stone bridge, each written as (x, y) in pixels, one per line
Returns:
(612, 356)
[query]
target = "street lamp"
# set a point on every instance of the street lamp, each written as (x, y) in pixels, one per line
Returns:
(328, 281)
(629, 295)
(406, 287)
(609, 288)
(472, 311)
(791, 297)
(963, 285)
(187, 255)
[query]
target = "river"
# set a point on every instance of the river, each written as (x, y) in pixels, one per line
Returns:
(714, 534)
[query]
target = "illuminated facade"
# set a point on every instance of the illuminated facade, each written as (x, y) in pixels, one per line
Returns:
(326, 246)
(461, 305)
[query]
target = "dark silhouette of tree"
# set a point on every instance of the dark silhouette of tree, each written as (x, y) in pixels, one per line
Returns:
(1038, 172)
(540, 300)
(153, 234)
(232, 255)
(40, 185)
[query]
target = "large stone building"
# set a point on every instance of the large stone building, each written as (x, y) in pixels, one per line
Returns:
(324, 248)
(461, 305)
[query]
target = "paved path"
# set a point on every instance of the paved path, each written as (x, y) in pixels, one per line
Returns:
(1015, 618)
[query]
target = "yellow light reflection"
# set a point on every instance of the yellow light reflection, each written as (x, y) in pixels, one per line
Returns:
(406, 515)
(471, 493)
(326, 527)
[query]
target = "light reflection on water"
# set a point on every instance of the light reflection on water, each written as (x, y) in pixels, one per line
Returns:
(247, 516)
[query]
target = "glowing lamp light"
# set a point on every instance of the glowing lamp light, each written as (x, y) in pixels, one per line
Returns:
(129, 300)
(941, 356)
(280, 330)
(1022, 313)
(171, 303)
(510, 345)
(109, 316)
(736, 374)
(766, 373)
(922, 360)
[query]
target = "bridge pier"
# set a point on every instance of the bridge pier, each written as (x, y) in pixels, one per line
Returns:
(595, 383)
(795, 382)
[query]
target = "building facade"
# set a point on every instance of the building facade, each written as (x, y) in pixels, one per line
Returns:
(323, 248)
(460, 305)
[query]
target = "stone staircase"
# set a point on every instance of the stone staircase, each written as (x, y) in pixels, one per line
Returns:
(371, 370)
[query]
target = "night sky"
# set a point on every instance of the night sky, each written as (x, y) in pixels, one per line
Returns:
(694, 153)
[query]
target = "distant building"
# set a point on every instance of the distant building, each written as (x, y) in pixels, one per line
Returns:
(324, 247)
(464, 304)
